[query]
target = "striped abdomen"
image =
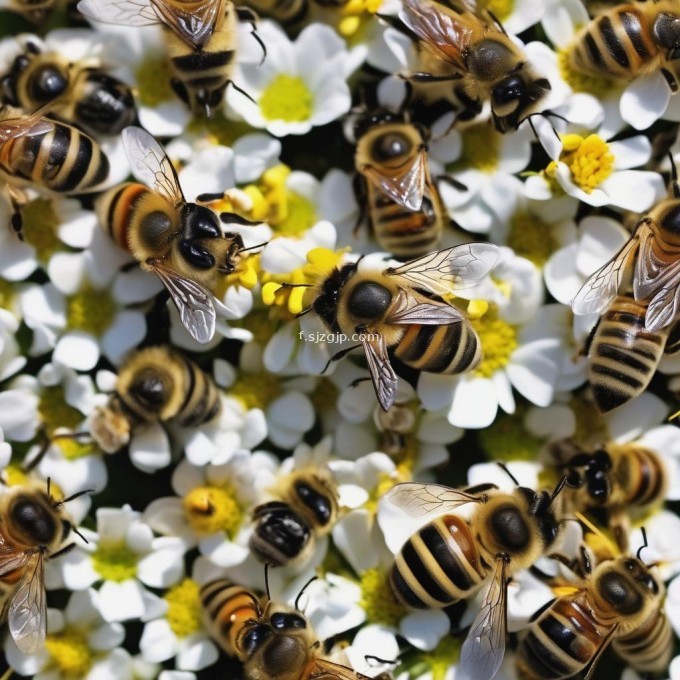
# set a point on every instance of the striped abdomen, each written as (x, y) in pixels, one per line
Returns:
(438, 565)
(623, 356)
(649, 648)
(64, 160)
(404, 233)
(617, 44)
(202, 400)
(642, 475)
(562, 641)
(451, 348)
(228, 609)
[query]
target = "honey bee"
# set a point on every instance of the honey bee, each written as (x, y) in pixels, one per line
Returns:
(156, 384)
(47, 155)
(619, 603)
(615, 478)
(274, 641)
(472, 48)
(182, 243)
(400, 311)
(651, 260)
(405, 211)
(305, 509)
(451, 558)
(200, 40)
(78, 93)
(33, 528)
(629, 40)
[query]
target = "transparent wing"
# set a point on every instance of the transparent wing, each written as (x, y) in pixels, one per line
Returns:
(445, 34)
(194, 25)
(483, 650)
(27, 617)
(150, 164)
(418, 500)
(451, 269)
(24, 126)
(121, 12)
(194, 303)
(382, 374)
(404, 186)
(10, 559)
(321, 669)
(602, 286)
(664, 307)
(408, 309)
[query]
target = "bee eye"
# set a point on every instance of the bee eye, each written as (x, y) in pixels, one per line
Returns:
(508, 90)
(369, 300)
(34, 520)
(671, 220)
(154, 226)
(390, 145)
(47, 83)
(254, 638)
(281, 621)
(619, 592)
(509, 527)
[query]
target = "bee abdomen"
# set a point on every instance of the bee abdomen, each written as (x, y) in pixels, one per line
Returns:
(202, 400)
(450, 348)
(115, 209)
(648, 649)
(437, 566)
(616, 44)
(647, 478)
(280, 535)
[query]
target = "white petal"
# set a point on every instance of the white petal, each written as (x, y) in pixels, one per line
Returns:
(195, 653)
(645, 100)
(425, 629)
(150, 448)
(474, 403)
(78, 350)
(158, 643)
(121, 601)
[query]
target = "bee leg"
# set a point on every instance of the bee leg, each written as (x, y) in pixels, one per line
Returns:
(541, 609)
(18, 200)
(339, 355)
(247, 14)
(358, 381)
(446, 179)
(233, 218)
(421, 77)
(620, 528)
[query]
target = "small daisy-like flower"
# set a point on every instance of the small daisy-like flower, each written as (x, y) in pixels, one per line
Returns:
(79, 644)
(299, 86)
(124, 557)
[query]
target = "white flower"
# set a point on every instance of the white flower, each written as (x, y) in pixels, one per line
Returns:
(300, 85)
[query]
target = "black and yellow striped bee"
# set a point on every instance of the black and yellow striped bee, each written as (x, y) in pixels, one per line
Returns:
(200, 39)
(155, 384)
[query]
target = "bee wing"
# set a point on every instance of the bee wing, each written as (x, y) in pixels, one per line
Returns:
(405, 187)
(122, 12)
(450, 269)
(150, 164)
(439, 31)
(425, 499)
(410, 310)
(321, 669)
(195, 25)
(27, 617)
(382, 374)
(483, 650)
(24, 126)
(194, 303)
(10, 559)
(602, 286)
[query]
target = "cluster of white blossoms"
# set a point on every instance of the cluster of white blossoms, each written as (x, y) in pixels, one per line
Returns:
(559, 196)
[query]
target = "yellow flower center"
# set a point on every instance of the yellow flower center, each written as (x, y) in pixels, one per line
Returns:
(481, 149)
(499, 341)
(532, 238)
(501, 9)
(377, 599)
(210, 509)
(443, 656)
(589, 160)
(13, 475)
(40, 227)
(91, 311)
(55, 412)
(219, 129)
(153, 77)
(70, 652)
(287, 98)
(255, 390)
(507, 439)
(385, 483)
(259, 323)
(581, 82)
(6, 294)
(115, 562)
(301, 216)
(184, 608)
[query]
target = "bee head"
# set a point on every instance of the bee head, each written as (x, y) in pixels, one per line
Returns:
(33, 515)
(515, 97)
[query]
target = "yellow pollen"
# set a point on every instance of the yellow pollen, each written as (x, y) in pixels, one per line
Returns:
(532, 238)
(501, 9)
(245, 273)
(13, 475)
(255, 390)
(507, 439)
(184, 608)
(115, 562)
(589, 160)
(91, 311)
(499, 341)
(210, 509)
(481, 147)
(40, 227)
(55, 412)
(443, 656)
(385, 483)
(6, 294)
(71, 654)
(219, 129)
(581, 82)
(301, 216)
(153, 81)
(259, 323)
(377, 599)
(287, 98)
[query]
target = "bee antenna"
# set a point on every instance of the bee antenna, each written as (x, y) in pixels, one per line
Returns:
(266, 583)
(558, 489)
(505, 469)
(259, 245)
(77, 533)
(297, 599)
(644, 545)
(49, 486)
(674, 176)
(73, 496)
(497, 21)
